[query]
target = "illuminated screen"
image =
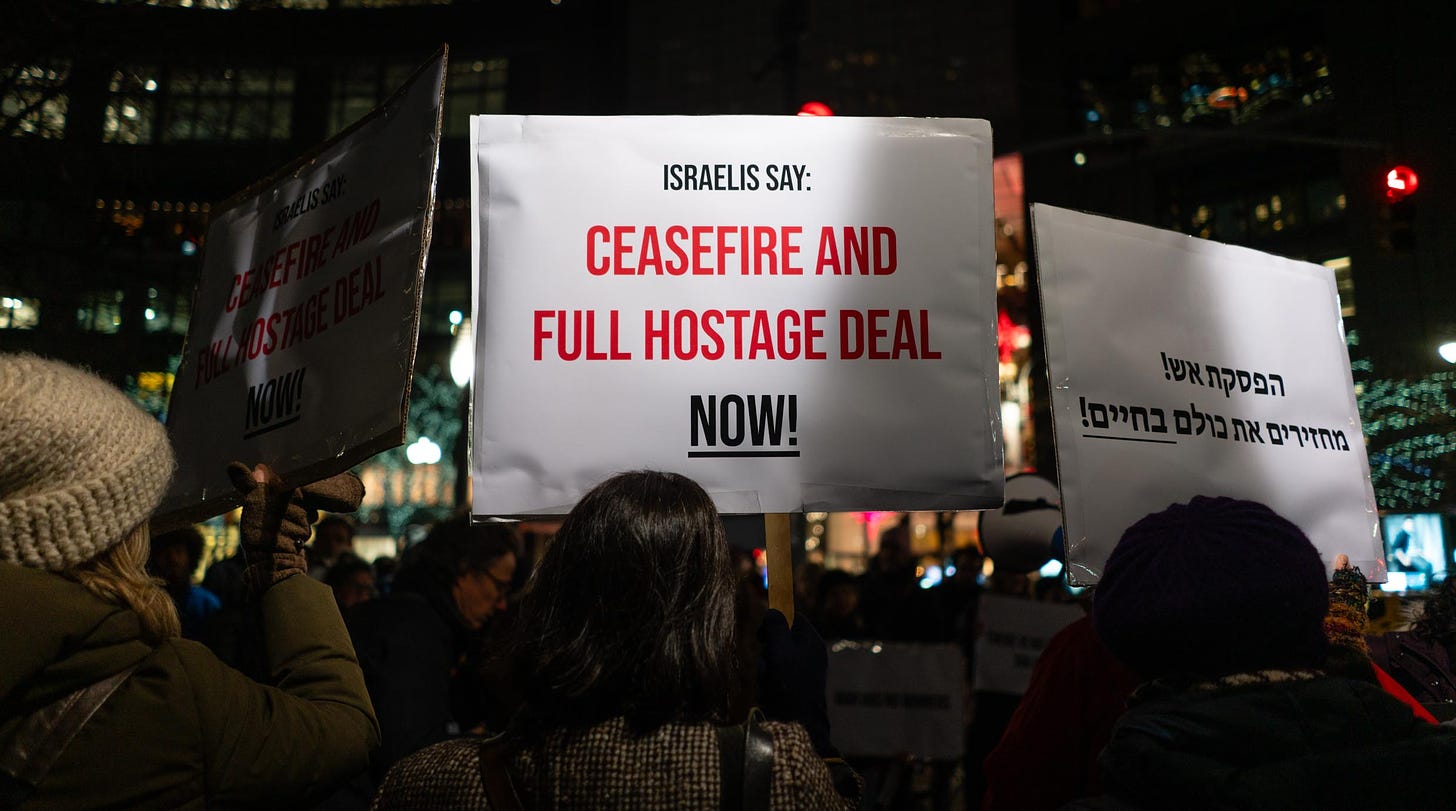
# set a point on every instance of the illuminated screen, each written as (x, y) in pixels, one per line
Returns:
(1415, 551)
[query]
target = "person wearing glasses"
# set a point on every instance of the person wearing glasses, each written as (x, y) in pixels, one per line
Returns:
(419, 646)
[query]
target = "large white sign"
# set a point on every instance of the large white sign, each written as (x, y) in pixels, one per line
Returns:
(1014, 632)
(799, 313)
(302, 340)
(1182, 367)
(890, 699)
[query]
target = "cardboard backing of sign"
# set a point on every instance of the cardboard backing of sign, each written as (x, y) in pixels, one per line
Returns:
(799, 314)
(301, 348)
(1182, 367)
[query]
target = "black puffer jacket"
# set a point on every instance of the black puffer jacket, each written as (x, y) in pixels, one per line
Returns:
(1309, 741)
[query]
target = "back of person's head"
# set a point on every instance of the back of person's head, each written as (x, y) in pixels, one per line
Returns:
(630, 611)
(895, 546)
(838, 594)
(1211, 588)
(82, 470)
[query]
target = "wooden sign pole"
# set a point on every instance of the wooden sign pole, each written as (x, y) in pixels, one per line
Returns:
(780, 564)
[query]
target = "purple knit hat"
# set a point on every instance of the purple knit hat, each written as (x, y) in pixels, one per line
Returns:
(1213, 587)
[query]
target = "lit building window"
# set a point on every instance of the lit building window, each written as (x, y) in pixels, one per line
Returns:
(1344, 284)
(474, 87)
(34, 100)
(101, 312)
(230, 104)
(131, 106)
(18, 312)
(357, 89)
(153, 390)
(166, 312)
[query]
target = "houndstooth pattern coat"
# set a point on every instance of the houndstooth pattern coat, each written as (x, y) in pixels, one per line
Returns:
(604, 766)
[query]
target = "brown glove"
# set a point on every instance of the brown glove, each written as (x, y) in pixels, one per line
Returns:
(277, 522)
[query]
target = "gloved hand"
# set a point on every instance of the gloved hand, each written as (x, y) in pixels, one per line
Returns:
(792, 670)
(277, 522)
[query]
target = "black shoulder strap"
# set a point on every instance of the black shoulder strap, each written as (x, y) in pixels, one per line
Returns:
(28, 753)
(745, 753)
(758, 755)
(495, 775)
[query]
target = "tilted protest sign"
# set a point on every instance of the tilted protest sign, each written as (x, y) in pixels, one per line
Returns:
(302, 341)
(1183, 367)
(799, 314)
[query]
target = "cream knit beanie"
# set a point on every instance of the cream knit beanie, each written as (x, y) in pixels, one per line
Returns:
(80, 465)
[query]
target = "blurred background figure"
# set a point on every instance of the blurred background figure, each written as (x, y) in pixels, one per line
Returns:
(332, 537)
(838, 616)
(352, 579)
(385, 567)
(889, 589)
(420, 646)
(174, 559)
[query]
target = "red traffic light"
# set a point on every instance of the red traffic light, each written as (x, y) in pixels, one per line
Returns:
(1400, 182)
(815, 108)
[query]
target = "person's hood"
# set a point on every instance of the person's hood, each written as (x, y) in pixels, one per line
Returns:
(58, 637)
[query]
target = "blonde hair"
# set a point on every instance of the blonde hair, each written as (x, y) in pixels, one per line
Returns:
(119, 575)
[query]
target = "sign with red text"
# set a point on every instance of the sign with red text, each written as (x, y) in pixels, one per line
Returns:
(798, 313)
(301, 345)
(1183, 367)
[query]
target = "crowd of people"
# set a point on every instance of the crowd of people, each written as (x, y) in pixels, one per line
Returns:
(635, 664)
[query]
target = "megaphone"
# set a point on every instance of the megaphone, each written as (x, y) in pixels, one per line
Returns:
(1020, 535)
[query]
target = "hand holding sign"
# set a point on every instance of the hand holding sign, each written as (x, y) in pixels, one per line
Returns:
(277, 520)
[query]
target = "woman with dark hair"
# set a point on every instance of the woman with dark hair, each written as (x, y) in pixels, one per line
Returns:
(413, 644)
(624, 654)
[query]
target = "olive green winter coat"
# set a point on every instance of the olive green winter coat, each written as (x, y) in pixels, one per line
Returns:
(185, 730)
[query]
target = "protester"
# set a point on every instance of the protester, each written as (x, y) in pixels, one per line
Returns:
(174, 558)
(1221, 604)
(838, 600)
(625, 656)
(415, 645)
(93, 677)
(1421, 659)
(352, 579)
(890, 599)
(1047, 756)
(332, 537)
(384, 568)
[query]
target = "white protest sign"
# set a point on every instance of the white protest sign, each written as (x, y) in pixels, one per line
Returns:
(1182, 367)
(797, 313)
(302, 340)
(888, 699)
(1014, 632)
